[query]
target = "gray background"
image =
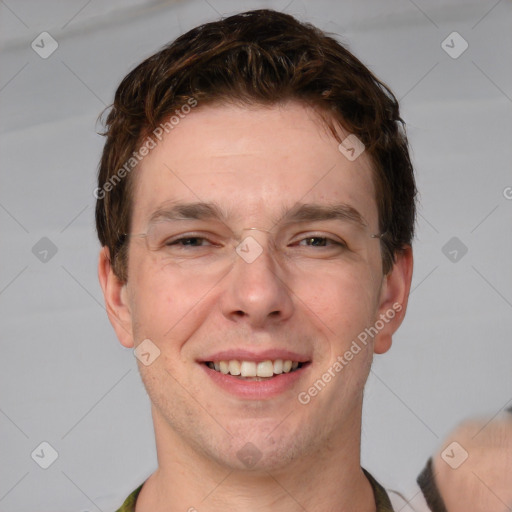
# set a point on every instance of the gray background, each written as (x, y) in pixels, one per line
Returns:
(66, 380)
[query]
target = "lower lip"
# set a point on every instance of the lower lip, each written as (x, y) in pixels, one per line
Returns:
(256, 389)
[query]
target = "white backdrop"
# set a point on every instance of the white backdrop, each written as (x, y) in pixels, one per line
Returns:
(64, 378)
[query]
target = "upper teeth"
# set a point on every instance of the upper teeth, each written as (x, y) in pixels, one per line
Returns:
(253, 369)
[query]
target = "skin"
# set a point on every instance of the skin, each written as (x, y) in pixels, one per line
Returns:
(313, 300)
(483, 481)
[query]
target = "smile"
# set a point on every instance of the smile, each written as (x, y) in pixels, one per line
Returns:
(255, 370)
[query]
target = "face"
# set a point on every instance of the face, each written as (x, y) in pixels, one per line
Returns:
(257, 249)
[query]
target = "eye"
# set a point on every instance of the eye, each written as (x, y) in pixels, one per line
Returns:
(320, 241)
(189, 241)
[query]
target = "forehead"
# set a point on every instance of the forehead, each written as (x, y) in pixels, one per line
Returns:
(255, 162)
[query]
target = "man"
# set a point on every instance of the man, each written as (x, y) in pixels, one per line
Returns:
(256, 206)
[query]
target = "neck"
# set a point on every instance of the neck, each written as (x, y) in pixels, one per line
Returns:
(330, 479)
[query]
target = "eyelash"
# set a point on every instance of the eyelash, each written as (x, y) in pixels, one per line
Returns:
(177, 241)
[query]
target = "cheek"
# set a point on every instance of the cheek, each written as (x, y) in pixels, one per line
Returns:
(154, 298)
(341, 307)
(343, 300)
(167, 306)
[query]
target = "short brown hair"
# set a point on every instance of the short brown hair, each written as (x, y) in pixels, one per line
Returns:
(260, 57)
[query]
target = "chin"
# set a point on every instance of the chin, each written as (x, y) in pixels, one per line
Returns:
(264, 449)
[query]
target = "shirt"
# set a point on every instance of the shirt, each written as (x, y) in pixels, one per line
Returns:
(381, 497)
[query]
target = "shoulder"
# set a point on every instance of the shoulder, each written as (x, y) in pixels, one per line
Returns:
(130, 501)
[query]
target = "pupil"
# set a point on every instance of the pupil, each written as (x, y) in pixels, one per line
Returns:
(317, 241)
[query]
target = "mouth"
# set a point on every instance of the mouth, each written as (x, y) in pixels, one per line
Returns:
(249, 375)
(255, 370)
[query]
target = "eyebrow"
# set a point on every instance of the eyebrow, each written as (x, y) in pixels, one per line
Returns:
(188, 211)
(318, 212)
(299, 213)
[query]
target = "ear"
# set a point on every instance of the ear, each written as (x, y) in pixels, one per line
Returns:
(116, 299)
(394, 296)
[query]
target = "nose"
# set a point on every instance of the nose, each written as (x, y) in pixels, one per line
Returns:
(258, 291)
